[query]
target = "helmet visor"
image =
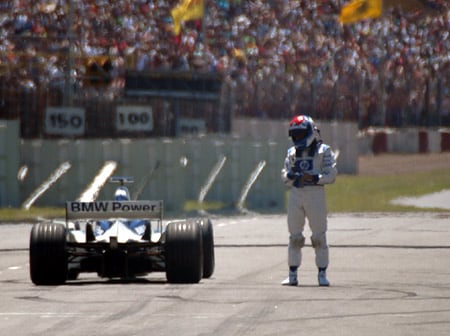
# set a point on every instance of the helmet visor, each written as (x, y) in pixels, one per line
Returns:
(299, 134)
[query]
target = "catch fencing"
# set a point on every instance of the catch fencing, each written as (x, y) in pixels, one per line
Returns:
(190, 103)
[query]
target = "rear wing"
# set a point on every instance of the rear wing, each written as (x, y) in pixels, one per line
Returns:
(121, 179)
(114, 209)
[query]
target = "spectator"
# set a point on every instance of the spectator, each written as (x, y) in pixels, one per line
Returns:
(287, 50)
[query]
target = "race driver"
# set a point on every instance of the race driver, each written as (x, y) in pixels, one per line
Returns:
(309, 164)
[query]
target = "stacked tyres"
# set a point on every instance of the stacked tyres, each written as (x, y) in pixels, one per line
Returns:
(208, 247)
(48, 258)
(184, 252)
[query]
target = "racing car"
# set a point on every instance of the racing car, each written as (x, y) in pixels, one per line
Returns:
(120, 238)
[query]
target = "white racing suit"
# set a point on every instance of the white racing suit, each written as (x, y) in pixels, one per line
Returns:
(307, 200)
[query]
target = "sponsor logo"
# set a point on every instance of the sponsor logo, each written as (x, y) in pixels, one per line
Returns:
(120, 206)
(304, 165)
(113, 207)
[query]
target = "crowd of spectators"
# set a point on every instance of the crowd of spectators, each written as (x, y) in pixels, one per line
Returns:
(281, 57)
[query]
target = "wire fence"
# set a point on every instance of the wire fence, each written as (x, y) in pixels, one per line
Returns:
(397, 101)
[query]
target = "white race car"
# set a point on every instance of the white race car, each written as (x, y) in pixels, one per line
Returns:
(121, 239)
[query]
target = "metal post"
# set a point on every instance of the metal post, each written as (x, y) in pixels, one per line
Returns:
(68, 89)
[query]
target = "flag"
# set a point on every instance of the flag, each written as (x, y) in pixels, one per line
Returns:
(358, 10)
(187, 10)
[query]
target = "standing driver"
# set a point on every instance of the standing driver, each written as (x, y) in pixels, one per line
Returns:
(309, 164)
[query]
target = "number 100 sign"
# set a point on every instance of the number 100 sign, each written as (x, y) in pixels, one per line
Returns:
(134, 118)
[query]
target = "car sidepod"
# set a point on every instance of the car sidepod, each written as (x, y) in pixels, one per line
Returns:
(48, 257)
(184, 251)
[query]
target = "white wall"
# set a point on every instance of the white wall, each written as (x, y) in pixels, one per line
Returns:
(404, 140)
(341, 136)
(251, 142)
(9, 162)
(170, 181)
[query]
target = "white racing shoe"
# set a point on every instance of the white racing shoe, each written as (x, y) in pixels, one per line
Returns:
(291, 280)
(322, 277)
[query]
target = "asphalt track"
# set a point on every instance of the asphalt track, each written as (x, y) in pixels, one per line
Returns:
(389, 275)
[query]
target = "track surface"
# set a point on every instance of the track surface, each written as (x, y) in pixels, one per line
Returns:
(390, 276)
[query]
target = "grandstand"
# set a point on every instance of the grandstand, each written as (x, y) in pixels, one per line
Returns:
(275, 59)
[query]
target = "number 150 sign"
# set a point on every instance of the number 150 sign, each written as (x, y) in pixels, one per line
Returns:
(65, 121)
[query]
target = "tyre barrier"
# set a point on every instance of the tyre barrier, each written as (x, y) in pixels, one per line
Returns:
(407, 140)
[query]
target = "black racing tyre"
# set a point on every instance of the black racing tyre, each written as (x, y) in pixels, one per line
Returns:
(208, 247)
(184, 252)
(73, 274)
(48, 257)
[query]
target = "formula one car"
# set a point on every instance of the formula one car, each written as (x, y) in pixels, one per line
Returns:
(121, 239)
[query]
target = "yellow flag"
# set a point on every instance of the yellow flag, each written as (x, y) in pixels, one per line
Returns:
(358, 10)
(187, 10)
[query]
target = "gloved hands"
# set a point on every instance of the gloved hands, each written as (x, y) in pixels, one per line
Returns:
(295, 176)
(301, 178)
(311, 179)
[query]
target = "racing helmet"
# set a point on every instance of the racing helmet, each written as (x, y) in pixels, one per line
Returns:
(303, 131)
(122, 194)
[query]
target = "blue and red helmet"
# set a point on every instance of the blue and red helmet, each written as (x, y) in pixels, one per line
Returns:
(122, 194)
(302, 130)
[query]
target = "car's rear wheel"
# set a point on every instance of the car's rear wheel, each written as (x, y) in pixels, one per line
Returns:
(72, 274)
(48, 258)
(208, 247)
(184, 252)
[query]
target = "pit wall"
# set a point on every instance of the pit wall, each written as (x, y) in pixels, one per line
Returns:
(9, 162)
(341, 136)
(175, 170)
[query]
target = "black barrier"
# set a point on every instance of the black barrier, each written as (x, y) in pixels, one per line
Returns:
(173, 84)
(181, 102)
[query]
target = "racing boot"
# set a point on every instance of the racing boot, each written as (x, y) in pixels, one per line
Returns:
(322, 277)
(291, 280)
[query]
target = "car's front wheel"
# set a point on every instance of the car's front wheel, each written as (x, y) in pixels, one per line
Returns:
(48, 258)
